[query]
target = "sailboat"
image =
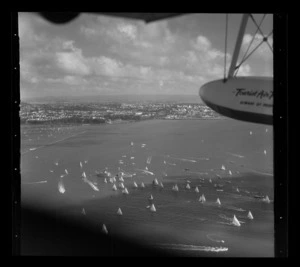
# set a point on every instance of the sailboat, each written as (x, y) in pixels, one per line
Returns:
(202, 199)
(188, 186)
(121, 185)
(105, 181)
(175, 188)
(151, 197)
(266, 199)
(61, 187)
(218, 201)
(114, 187)
(83, 211)
(250, 216)
(155, 181)
(104, 229)
(230, 173)
(125, 191)
(119, 212)
(161, 185)
(223, 168)
(152, 208)
(66, 171)
(142, 185)
(135, 185)
(235, 221)
(80, 163)
(197, 189)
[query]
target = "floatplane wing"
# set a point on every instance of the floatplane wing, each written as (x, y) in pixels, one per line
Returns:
(243, 98)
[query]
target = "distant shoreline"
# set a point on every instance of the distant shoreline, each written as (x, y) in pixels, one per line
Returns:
(116, 122)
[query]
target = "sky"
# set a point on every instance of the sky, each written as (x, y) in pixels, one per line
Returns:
(96, 55)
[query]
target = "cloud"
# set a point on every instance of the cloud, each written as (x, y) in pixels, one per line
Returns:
(72, 62)
(128, 30)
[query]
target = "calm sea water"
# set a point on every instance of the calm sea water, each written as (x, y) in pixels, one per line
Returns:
(175, 152)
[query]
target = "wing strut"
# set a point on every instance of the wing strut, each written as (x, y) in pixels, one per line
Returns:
(238, 45)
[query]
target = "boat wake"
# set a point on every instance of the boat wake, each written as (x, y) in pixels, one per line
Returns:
(234, 208)
(40, 182)
(185, 247)
(214, 239)
(236, 155)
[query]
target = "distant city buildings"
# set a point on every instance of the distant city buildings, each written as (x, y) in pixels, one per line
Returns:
(96, 113)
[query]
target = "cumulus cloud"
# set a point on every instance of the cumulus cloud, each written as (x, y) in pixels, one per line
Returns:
(72, 63)
(120, 56)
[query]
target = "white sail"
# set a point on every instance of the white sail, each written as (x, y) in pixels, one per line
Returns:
(161, 185)
(66, 171)
(131, 143)
(218, 201)
(202, 198)
(61, 187)
(265, 152)
(119, 212)
(223, 168)
(83, 211)
(121, 185)
(266, 199)
(135, 185)
(125, 191)
(146, 168)
(153, 209)
(250, 216)
(230, 173)
(155, 181)
(151, 197)
(84, 175)
(235, 221)
(237, 190)
(197, 189)
(104, 229)
(188, 186)
(105, 181)
(175, 188)
(111, 180)
(114, 187)
(142, 185)
(80, 163)
(121, 179)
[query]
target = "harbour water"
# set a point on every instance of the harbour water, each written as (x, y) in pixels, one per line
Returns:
(173, 152)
